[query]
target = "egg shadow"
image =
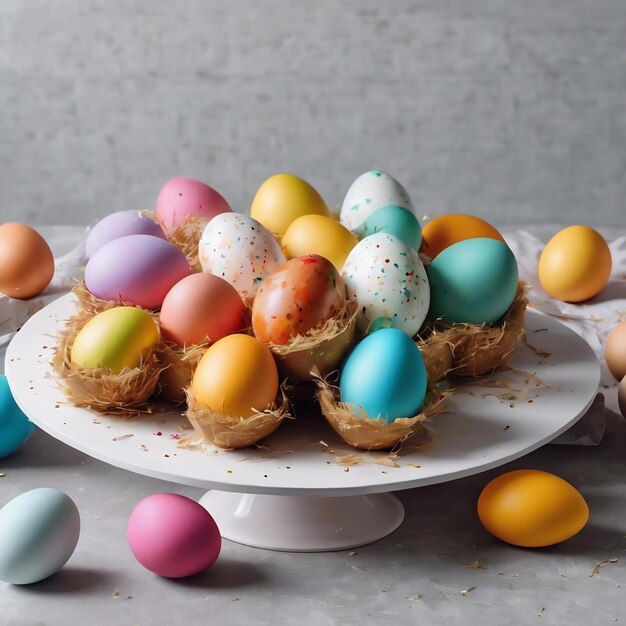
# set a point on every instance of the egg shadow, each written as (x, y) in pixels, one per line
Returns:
(70, 579)
(225, 574)
(42, 450)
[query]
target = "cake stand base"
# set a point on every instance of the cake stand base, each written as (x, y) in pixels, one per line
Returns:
(303, 523)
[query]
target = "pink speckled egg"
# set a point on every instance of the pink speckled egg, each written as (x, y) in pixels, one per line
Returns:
(173, 536)
(181, 198)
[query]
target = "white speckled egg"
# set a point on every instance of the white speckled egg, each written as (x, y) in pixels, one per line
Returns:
(240, 250)
(368, 193)
(386, 278)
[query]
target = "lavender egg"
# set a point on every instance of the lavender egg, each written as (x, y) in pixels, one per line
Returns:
(136, 269)
(120, 224)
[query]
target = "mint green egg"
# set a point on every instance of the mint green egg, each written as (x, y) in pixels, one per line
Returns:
(473, 281)
(395, 220)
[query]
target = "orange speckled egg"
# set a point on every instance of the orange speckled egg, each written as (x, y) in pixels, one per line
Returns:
(575, 265)
(445, 230)
(237, 375)
(26, 261)
(201, 306)
(299, 296)
(531, 508)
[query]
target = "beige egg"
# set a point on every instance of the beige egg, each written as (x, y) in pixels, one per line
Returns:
(615, 351)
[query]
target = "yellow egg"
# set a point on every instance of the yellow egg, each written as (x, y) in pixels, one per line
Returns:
(237, 375)
(318, 234)
(531, 508)
(575, 265)
(283, 198)
(115, 339)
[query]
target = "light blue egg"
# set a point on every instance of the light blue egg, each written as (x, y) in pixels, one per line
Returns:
(15, 427)
(395, 220)
(472, 281)
(39, 530)
(385, 375)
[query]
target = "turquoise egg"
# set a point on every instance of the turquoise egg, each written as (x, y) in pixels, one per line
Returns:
(385, 375)
(473, 281)
(39, 530)
(15, 427)
(395, 220)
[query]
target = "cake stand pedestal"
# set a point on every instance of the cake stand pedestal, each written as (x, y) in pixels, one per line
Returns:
(304, 489)
(304, 523)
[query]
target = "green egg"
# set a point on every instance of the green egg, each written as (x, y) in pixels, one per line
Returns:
(472, 281)
(395, 220)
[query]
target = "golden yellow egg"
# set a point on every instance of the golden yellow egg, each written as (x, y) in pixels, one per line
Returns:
(531, 508)
(283, 198)
(575, 265)
(115, 339)
(237, 375)
(318, 234)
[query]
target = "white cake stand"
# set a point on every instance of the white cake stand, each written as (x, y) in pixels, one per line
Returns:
(305, 490)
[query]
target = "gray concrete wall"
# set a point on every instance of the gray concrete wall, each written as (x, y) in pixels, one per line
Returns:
(515, 111)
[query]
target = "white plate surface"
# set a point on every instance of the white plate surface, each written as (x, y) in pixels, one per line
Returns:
(486, 426)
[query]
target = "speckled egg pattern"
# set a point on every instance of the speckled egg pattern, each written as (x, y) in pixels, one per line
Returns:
(240, 250)
(368, 193)
(386, 278)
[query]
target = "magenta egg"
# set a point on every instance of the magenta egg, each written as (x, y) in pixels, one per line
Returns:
(173, 536)
(120, 224)
(181, 198)
(136, 269)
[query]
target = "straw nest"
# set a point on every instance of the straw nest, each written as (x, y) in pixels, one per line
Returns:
(100, 389)
(360, 431)
(186, 237)
(178, 366)
(233, 431)
(323, 348)
(473, 349)
(89, 305)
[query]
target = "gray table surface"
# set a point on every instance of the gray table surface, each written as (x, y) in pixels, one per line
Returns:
(440, 566)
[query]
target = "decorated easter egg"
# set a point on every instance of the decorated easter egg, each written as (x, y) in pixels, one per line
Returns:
(443, 231)
(236, 376)
(136, 269)
(296, 298)
(371, 191)
(115, 339)
(394, 220)
(472, 281)
(118, 225)
(531, 508)
(385, 376)
(15, 427)
(39, 530)
(283, 198)
(318, 234)
(200, 307)
(387, 280)
(240, 250)
(184, 198)
(26, 261)
(575, 264)
(173, 536)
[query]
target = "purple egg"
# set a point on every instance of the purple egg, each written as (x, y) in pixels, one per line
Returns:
(118, 225)
(136, 269)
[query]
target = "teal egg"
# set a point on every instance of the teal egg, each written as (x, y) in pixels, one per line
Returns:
(473, 281)
(39, 530)
(395, 220)
(385, 375)
(15, 427)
